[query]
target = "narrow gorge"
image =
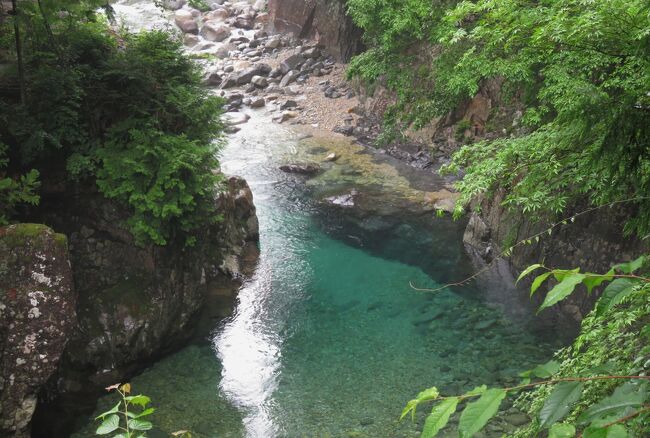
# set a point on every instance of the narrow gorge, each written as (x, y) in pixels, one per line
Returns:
(246, 231)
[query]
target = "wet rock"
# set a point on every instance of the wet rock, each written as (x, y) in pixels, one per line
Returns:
(212, 79)
(235, 118)
(228, 82)
(291, 63)
(344, 129)
(219, 14)
(332, 157)
(190, 39)
(346, 200)
(285, 115)
(288, 78)
(257, 102)
(312, 52)
(273, 43)
(259, 81)
(215, 31)
(173, 5)
(185, 21)
(288, 104)
(303, 169)
(37, 316)
(244, 22)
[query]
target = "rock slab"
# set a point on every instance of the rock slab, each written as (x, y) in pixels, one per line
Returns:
(37, 316)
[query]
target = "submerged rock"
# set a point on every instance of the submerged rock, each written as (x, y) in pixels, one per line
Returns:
(37, 315)
(305, 169)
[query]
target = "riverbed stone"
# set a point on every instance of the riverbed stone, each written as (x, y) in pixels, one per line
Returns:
(215, 31)
(291, 63)
(185, 21)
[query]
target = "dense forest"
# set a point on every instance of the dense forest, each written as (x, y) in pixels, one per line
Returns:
(91, 107)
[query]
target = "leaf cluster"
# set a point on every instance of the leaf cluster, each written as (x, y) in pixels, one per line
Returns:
(600, 387)
(581, 68)
(123, 112)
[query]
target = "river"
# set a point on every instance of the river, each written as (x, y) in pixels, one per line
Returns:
(327, 338)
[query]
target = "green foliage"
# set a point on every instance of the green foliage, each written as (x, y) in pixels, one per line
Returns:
(598, 386)
(581, 68)
(567, 280)
(126, 418)
(126, 112)
(16, 190)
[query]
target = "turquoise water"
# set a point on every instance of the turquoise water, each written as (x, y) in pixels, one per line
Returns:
(328, 339)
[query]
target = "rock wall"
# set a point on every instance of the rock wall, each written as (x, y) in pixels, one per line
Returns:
(324, 21)
(136, 303)
(593, 242)
(37, 316)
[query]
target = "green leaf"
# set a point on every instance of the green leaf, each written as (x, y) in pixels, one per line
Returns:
(439, 417)
(110, 424)
(140, 400)
(144, 413)
(561, 274)
(136, 424)
(546, 370)
(478, 413)
(629, 267)
(113, 410)
(558, 404)
(628, 395)
(562, 290)
(614, 294)
(428, 394)
(537, 282)
(476, 391)
(614, 431)
(594, 280)
(411, 407)
(562, 431)
(528, 270)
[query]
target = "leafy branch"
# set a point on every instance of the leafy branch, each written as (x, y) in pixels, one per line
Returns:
(121, 418)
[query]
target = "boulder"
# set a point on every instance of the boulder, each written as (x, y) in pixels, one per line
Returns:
(190, 39)
(259, 81)
(257, 102)
(185, 21)
(312, 52)
(215, 31)
(212, 79)
(245, 22)
(288, 78)
(288, 104)
(37, 316)
(291, 63)
(273, 43)
(235, 118)
(217, 15)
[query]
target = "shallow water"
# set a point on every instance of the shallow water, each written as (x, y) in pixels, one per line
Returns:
(328, 339)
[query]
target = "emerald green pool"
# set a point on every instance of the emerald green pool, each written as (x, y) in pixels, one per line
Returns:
(328, 339)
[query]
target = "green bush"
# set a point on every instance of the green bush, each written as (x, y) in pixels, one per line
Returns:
(125, 111)
(581, 70)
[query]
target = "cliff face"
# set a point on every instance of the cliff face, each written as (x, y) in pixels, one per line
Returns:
(324, 21)
(37, 317)
(132, 304)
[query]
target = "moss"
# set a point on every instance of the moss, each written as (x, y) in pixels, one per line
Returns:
(16, 235)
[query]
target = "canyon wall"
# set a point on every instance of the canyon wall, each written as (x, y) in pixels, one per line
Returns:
(324, 21)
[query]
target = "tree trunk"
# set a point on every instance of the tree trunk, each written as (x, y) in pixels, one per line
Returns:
(19, 54)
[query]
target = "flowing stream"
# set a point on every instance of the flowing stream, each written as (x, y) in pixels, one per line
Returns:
(327, 338)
